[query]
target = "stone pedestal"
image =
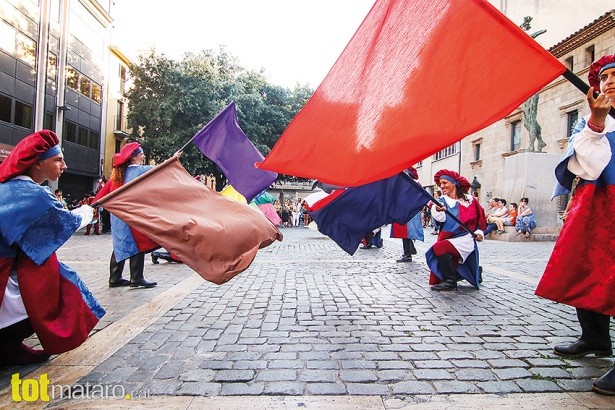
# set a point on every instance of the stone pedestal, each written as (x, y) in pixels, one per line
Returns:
(532, 175)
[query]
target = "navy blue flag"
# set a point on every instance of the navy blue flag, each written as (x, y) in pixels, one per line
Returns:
(347, 214)
(225, 143)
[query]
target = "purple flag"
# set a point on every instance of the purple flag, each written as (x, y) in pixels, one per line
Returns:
(224, 142)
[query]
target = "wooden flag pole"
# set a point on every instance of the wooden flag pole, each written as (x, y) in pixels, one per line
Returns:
(434, 200)
(581, 85)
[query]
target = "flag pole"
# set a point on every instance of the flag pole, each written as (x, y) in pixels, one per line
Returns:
(434, 200)
(581, 85)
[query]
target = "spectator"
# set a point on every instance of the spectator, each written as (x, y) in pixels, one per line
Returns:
(525, 219)
(499, 211)
(508, 220)
(59, 197)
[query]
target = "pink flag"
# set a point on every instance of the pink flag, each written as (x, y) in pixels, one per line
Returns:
(417, 76)
(216, 236)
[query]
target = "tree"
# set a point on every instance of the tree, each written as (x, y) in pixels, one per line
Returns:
(171, 101)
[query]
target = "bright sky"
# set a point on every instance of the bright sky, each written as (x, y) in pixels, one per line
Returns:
(295, 41)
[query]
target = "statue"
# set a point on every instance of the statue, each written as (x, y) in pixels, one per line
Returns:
(530, 110)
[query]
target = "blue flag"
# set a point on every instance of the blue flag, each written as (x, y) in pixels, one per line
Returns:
(347, 214)
(225, 143)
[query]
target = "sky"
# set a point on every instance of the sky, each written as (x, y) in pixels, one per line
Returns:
(295, 41)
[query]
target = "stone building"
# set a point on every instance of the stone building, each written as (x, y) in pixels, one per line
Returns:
(500, 157)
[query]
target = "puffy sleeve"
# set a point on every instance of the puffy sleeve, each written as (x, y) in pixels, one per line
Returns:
(592, 152)
(39, 224)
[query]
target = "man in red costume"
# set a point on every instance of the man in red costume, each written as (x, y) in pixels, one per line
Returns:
(581, 270)
(39, 294)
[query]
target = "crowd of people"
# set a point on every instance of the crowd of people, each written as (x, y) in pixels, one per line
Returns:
(520, 216)
(292, 213)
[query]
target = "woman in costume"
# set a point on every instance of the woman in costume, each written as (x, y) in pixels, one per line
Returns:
(581, 270)
(127, 242)
(409, 232)
(454, 256)
(39, 294)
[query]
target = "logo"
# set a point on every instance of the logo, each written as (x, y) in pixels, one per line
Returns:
(30, 390)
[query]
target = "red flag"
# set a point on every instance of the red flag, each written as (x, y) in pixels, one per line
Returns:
(416, 77)
(216, 236)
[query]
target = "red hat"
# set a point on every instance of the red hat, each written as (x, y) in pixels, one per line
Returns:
(27, 152)
(453, 177)
(128, 151)
(413, 172)
(596, 69)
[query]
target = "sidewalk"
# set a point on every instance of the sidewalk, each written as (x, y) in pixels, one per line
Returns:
(310, 326)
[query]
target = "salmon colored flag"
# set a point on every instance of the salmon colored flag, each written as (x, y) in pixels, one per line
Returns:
(417, 76)
(214, 235)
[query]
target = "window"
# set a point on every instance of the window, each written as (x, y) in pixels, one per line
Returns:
(72, 78)
(7, 37)
(477, 152)
(94, 140)
(96, 92)
(48, 121)
(573, 117)
(590, 55)
(69, 131)
(120, 116)
(84, 86)
(23, 114)
(5, 108)
(515, 135)
(26, 49)
(52, 67)
(122, 79)
(447, 152)
(569, 63)
(83, 135)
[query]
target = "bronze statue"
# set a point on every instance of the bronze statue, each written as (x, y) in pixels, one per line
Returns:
(530, 122)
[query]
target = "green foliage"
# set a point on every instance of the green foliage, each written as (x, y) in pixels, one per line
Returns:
(170, 101)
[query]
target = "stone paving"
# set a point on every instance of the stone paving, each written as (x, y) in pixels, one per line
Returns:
(308, 319)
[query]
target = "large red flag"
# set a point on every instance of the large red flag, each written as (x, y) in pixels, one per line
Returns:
(417, 76)
(214, 235)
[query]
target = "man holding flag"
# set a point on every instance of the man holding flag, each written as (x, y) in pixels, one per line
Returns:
(128, 243)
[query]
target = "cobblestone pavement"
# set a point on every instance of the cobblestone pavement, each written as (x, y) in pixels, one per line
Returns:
(306, 319)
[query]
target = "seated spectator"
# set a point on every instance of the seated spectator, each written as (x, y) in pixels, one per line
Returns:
(526, 221)
(499, 211)
(509, 220)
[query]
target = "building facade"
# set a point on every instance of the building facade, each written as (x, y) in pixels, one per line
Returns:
(499, 158)
(53, 66)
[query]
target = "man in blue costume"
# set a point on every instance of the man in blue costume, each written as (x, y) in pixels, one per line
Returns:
(39, 294)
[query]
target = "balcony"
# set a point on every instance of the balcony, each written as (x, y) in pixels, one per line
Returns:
(120, 129)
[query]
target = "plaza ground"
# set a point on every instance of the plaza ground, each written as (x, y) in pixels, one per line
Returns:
(308, 325)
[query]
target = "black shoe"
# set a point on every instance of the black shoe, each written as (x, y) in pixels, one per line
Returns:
(405, 258)
(155, 260)
(581, 348)
(444, 286)
(119, 283)
(365, 247)
(144, 283)
(606, 383)
(22, 355)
